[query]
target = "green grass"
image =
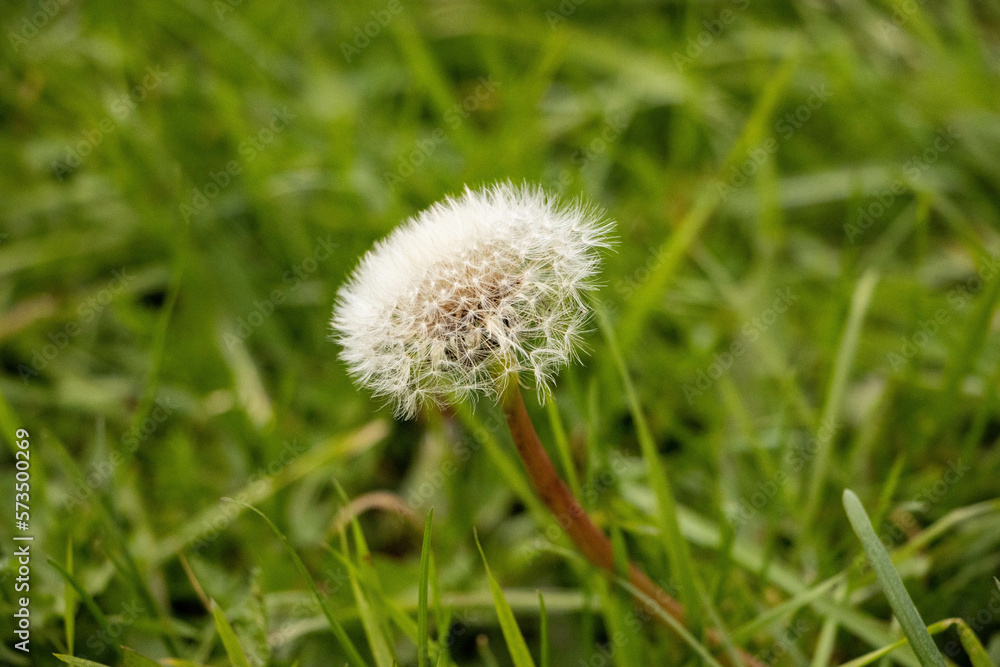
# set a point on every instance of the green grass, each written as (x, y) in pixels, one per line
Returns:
(166, 283)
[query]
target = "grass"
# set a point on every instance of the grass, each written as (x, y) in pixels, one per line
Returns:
(186, 185)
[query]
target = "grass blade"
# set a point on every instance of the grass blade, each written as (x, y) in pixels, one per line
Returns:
(977, 654)
(485, 652)
(425, 561)
(909, 618)
(338, 630)
(374, 625)
(232, 645)
(507, 465)
(676, 625)
(543, 619)
(825, 645)
(508, 624)
(441, 615)
(970, 642)
(198, 527)
(753, 559)
(369, 620)
(133, 659)
(784, 610)
(706, 201)
(88, 601)
(562, 445)
(78, 662)
(393, 610)
(677, 548)
(125, 564)
(617, 608)
(69, 593)
(835, 391)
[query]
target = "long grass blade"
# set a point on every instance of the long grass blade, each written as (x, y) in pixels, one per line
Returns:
(131, 658)
(970, 642)
(518, 648)
(338, 630)
(909, 618)
(372, 621)
(78, 662)
(543, 621)
(86, 598)
(676, 625)
(71, 599)
(681, 565)
(562, 446)
(425, 561)
(835, 392)
(673, 250)
(229, 641)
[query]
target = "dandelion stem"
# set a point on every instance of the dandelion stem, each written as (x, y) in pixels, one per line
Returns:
(574, 520)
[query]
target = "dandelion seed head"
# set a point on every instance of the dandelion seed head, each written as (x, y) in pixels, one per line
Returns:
(469, 292)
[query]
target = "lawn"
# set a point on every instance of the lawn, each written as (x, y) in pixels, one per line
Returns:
(801, 298)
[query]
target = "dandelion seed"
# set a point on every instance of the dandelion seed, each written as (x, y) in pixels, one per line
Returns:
(468, 292)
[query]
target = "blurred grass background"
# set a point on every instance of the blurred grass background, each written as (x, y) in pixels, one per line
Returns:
(804, 291)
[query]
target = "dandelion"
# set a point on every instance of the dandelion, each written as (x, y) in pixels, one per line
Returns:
(468, 294)
(466, 298)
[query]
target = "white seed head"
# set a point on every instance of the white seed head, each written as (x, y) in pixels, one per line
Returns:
(467, 293)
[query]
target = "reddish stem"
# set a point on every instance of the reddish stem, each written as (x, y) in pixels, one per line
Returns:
(573, 519)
